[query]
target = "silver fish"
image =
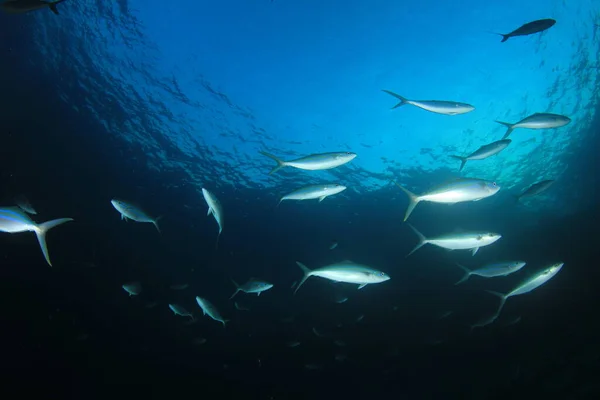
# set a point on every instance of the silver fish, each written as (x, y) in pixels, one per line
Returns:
(133, 212)
(312, 192)
(457, 241)
(536, 189)
(15, 220)
(530, 284)
(434, 106)
(492, 270)
(214, 208)
(483, 152)
(457, 191)
(209, 309)
(344, 271)
(537, 121)
(133, 288)
(180, 310)
(24, 6)
(252, 286)
(313, 162)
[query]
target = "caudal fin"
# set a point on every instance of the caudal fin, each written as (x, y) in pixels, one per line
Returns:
(53, 5)
(306, 271)
(237, 289)
(413, 200)
(509, 128)
(403, 100)
(504, 37)
(466, 276)
(502, 302)
(279, 161)
(422, 240)
(155, 222)
(41, 231)
(463, 161)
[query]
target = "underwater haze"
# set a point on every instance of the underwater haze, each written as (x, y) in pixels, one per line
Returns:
(150, 102)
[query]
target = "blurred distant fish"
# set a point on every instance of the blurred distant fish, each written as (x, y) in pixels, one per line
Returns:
(293, 343)
(182, 286)
(313, 162)
(252, 286)
(209, 309)
(133, 288)
(456, 191)
(180, 310)
(536, 189)
(529, 28)
(25, 205)
(214, 208)
(492, 270)
(344, 271)
(434, 106)
(537, 121)
(311, 192)
(15, 220)
(133, 212)
(457, 241)
(483, 152)
(23, 6)
(333, 245)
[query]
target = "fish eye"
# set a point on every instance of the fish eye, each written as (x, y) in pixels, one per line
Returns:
(382, 274)
(494, 184)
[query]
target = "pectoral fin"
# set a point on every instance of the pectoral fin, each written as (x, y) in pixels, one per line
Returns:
(322, 198)
(475, 250)
(362, 286)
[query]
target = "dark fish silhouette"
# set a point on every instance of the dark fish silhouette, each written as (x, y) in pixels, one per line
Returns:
(535, 189)
(529, 28)
(24, 6)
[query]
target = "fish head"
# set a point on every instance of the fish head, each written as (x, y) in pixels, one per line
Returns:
(517, 265)
(335, 188)
(553, 269)
(488, 238)
(491, 187)
(262, 286)
(377, 276)
(118, 204)
(347, 156)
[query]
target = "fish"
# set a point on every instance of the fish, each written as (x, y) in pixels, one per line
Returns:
(528, 285)
(333, 245)
(311, 192)
(209, 309)
(180, 310)
(537, 121)
(133, 212)
(529, 29)
(492, 270)
(24, 6)
(313, 162)
(434, 106)
(181, 286)
(457, 241)
(15, 220)
(252, 286)
(344, 271)
(456, 191)
(536, 189)
(214, 208)
(25, 205)
(293, 343)
(240, 307)
(484, 152)
(133, 288)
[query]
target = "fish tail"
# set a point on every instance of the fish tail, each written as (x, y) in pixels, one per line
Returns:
(504, 37)
(225, 321)
(413, 200)
(279, 161)
(465, 276)
(306, 271)
(502, 301)
(509, 128)
(237, 289)
(41, 231)
(403, 100)
(422, 240)
(463, 161)
(53, 5)
(155, 222)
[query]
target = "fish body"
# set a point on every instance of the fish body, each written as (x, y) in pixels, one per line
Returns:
(209, 309)
(312, 192)
(214, 208)
(434, 106)
(537, 121)
(251, 286)
(484, 152)
(24, 6)
(492, 270)
(180, 310)
(536, 188)
(133, 212)
(345, 271)
(457, 191)
(529, 28)
(457, 241)
(313, 162)
(15, 220)
(133, 288)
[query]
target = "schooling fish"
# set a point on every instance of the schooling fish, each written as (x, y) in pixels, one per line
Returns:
(311, 192)
(537, 121)
(483, 152)
(529, 29)
(23, 6)
(457, 241)
(214, 208)
(345, 271)
(492, 270)
(133, 288)
(457, 191)
(133, 212)
(313, 162)
(180, 310)
(536, 189)
(15, 220)
(252, 286)
(209, 309)
(434, 106)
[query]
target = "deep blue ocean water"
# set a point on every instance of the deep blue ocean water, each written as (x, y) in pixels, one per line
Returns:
(150, 102)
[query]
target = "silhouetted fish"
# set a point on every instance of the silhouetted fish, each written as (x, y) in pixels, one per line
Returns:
(529, 28)
(23, 6)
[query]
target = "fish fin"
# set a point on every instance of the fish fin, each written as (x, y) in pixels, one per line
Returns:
(509, 128)
(504, 37)
(322, 198)
(306, 271)
(279, 202)
(413, 200)
(475, 250)
(362, 285)
(463, 161)
(422, 240)
(257, 294)
(466, 276)
(52, 6)
(41, 231)
(209, 211)
(123, 217)
(403, 100)
(237, 289)
(503, 298)
(279, 161)
(225, 321)
(155, 222)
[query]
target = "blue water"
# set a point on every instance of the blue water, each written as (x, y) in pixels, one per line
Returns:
(152, 101)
